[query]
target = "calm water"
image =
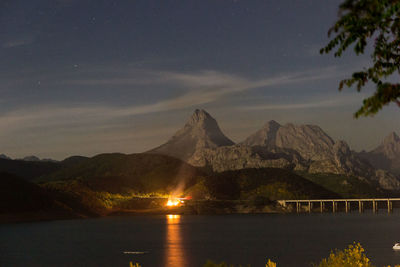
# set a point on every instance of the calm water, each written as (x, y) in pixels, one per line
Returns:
(291, 240)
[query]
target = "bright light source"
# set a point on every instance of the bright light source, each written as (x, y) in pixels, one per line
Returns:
(172, 202)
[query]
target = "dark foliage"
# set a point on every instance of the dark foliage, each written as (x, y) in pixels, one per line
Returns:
(376, 22)
(21, 200)
(271, 183)
(119, 173)
(347, 186)
(29, 170)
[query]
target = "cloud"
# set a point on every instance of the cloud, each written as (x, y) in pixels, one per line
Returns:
(334, 101)
(200, 88)
(206, 79)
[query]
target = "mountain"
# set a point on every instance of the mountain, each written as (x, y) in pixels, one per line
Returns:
(36, 159)
(294, 147)
(200, 132)
(387, 155)
(30, 158)
(299, 147)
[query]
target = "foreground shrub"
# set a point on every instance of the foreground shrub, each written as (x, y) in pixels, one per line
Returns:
(353, 256)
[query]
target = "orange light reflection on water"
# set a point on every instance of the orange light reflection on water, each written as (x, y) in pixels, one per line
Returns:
(175, 256)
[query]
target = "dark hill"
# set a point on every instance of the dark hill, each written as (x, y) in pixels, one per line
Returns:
(21, 200)
(108, 182)
(73, 160)
(272, 183)
(120, 173)
(29, 170)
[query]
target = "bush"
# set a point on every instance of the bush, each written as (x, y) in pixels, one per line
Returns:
(353, 256)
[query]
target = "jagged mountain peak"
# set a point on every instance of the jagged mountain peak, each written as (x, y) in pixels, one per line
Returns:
(387, 155)
(200, 132)
(200, 116)
(391, 138)
(203, 122)
(265, 136)
(391, 146)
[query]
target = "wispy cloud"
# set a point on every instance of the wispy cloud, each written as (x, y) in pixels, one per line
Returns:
(200, 88)
(208, 79)
(334, 101)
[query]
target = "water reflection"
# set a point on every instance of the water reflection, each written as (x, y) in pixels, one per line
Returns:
(174, 246)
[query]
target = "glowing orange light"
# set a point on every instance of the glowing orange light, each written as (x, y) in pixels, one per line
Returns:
(172, 202)
(173, 216)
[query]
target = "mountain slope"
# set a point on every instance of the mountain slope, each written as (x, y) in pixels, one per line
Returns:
(387, 155)
(120, 173)
(266, 136)
(271, 183)
(200, 132)
(310, 141)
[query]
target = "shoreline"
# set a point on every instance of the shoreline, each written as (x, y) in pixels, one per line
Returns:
(212, 209)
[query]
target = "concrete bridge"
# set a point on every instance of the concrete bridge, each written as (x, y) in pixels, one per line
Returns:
(323, 204)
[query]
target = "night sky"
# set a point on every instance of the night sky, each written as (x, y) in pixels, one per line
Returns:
(82, 77)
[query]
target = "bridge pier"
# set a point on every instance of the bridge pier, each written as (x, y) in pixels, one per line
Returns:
(389, 206)
(308, 204)
(374, 206)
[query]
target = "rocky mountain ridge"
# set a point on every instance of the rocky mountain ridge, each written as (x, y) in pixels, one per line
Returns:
(295, 147)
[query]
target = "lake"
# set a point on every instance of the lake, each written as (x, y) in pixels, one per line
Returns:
(189, 240)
